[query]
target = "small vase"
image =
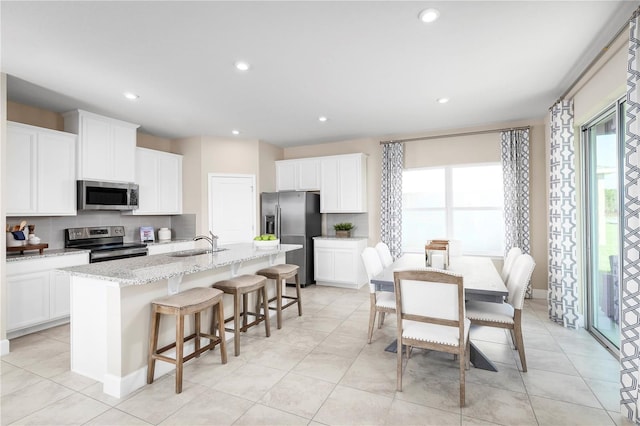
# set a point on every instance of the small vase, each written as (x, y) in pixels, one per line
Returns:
(343, 234)
(164, 234)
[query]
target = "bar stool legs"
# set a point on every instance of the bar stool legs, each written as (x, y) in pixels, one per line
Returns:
(193, 301)
(279, 273)
(240, 287)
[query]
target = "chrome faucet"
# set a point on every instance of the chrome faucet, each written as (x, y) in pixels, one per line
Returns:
(213, 240)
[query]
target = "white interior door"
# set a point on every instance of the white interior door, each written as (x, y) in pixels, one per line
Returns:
(232, 207)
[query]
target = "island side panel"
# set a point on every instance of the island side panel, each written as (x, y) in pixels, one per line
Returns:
(89, 327)
(127, 365)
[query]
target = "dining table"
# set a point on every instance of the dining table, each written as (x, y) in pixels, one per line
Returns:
(482, 281)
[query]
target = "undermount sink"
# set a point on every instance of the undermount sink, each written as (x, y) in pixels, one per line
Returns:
(196, 252)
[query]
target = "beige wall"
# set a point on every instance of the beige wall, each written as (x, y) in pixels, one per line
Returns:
(454, 150)
(144, 140)
(34, 116)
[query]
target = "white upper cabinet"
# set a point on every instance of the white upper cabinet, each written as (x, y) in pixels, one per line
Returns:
(106, 147)
(343, 184)
(41, 178)
(298, 175)
(159, 177)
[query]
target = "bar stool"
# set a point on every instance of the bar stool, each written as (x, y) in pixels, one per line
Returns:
(279, 273)
(241, 286)
(192, 301)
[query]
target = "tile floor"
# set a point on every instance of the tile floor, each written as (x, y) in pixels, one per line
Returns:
(319, 370)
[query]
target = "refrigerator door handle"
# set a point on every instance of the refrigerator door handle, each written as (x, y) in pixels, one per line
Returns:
(277, 221)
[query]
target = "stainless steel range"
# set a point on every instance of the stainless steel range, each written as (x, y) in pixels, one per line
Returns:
(105, 243)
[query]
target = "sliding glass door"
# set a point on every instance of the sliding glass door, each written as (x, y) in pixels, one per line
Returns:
(603, 140)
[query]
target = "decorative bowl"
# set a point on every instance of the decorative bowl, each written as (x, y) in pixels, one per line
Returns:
(266, 244)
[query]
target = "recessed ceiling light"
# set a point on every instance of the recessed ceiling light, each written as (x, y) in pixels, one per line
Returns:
(322, 118)
(130, 96)
(442, 100)
(242, 66)
(235, 132)
(429, 15)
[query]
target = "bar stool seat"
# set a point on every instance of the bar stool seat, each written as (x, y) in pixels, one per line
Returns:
(190, 302)
(279, 273)
(241, 286)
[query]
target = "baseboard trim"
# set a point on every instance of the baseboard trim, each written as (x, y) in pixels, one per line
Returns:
(119, 387)
(36, 328)
(4, 347)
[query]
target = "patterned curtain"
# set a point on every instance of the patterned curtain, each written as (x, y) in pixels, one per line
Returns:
(563, 284)
(391, 197)
(630, 321)
(515, 175)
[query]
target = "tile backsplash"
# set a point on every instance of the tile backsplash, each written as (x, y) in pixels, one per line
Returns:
(359, 220)
(50, 229)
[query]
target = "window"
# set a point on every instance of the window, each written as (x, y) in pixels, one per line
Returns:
(463, 203)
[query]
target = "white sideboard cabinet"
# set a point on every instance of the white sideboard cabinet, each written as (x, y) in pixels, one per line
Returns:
(344, 184)
(298, 175)
(37, 295)
(338, 262)
(159, 176)
(41, 178)
(106, 146)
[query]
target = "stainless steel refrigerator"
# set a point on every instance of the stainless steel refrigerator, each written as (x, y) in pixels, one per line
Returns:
(294, 216)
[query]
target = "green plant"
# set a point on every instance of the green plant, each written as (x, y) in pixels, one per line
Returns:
(345, 226)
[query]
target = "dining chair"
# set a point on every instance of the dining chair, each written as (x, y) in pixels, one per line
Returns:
(431, 315)
(507, 315)
(385, 254)
(509, 259)
(384, 301)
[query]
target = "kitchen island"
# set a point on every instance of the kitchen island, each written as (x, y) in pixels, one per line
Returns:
(110, 307)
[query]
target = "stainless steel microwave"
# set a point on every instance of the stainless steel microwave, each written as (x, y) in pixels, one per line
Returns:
(96, 195)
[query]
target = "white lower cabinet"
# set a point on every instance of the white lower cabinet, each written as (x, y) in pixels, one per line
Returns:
(337, 262)
(37, 294)
(28, 296)
(170, 247)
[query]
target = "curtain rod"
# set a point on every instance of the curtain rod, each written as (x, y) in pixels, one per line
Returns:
(451, 135)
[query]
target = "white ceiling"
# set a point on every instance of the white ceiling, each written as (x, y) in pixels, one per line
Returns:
(371, 67)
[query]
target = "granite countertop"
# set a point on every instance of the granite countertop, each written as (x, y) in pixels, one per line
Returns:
(333, 237)
(147, 269)
(35, 254)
